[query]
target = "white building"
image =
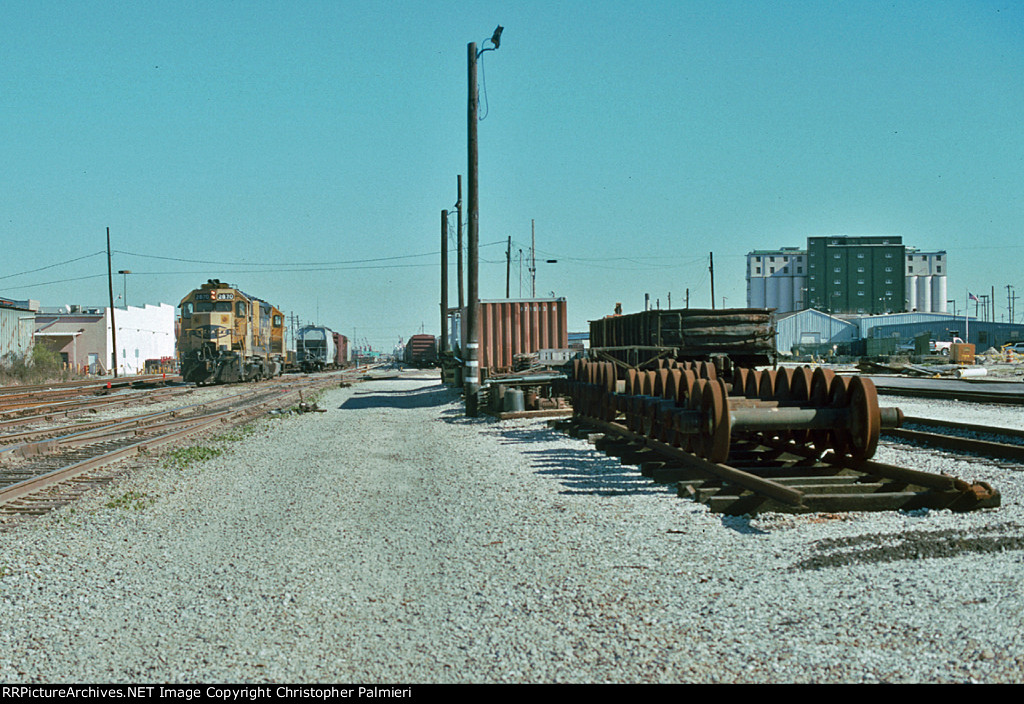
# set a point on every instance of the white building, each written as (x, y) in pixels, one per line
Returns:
(777, 279)
(926, 281)
(82, 336)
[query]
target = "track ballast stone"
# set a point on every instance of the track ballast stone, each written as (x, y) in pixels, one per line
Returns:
(392, 539)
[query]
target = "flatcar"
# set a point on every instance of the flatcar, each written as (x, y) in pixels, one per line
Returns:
(319, 348)
(229, 336)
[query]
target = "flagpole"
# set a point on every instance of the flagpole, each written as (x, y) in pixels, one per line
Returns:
(967, 323)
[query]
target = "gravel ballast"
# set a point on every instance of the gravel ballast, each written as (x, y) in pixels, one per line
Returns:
(393, 540)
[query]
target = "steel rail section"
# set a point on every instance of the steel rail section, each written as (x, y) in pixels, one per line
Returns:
(24, 488)
(747, 480)
(988, 448)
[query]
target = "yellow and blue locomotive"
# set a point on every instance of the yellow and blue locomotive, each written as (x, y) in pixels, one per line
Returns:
(228, 336)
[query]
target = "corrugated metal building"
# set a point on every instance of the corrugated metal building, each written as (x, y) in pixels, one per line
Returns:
(805, 327)
(981, 334)
(867, 324)
(17, 323)
(811, 328)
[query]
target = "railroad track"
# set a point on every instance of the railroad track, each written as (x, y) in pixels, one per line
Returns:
(987, 441)
(786, 440)
(40, 473)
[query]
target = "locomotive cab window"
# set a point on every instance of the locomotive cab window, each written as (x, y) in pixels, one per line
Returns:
(186, 309)
(223, 306)
(240, 308)
(278, 321)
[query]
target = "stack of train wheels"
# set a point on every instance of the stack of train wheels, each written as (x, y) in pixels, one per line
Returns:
(647, 402)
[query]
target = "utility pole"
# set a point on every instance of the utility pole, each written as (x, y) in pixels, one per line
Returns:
(711, 268)
(458, 230)
(520, 273)
(472, 377)
(533, 259)
(113, 326)
(444, 280)
(508, 265)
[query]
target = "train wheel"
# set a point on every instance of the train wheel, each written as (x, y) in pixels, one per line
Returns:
(716, 415)
(865, 418)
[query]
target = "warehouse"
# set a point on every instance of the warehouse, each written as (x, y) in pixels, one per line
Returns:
(82, 336)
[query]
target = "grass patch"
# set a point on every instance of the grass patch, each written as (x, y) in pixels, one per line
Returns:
(235, 434)
(131, 500)
(182, 457)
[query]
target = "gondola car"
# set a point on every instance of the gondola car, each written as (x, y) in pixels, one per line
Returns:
(229, 336)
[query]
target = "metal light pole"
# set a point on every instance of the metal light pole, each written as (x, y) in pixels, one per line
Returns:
(472, 373)
(124, 290)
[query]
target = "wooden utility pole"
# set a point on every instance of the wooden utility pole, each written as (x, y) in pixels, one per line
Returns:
(472, 376)
(113, 326)
(533, 259)
(711, 268)
(472, 353)
(458, 230)
(508, 265)
(444, 280)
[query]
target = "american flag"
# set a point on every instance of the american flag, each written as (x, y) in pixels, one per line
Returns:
(972, 296)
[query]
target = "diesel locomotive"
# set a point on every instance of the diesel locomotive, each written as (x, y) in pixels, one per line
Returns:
(229, 336)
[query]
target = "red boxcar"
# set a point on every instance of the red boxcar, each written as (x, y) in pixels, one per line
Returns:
(508, 327)
(421, 351)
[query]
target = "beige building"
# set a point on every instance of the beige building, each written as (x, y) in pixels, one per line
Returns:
(82, 336)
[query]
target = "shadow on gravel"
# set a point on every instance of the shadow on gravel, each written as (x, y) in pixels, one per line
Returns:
(581, 471)
(422, 397)
(913, 545)
(741, 525)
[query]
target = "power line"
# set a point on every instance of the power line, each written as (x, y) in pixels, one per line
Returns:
(51, 266)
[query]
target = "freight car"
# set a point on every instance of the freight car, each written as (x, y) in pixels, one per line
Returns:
(229, 336)
(421, 351)
(319, 348)
(734, 336)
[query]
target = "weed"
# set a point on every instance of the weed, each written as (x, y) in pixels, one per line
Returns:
(236, 434)
(39, 365)
(136, 500)
(182, 457)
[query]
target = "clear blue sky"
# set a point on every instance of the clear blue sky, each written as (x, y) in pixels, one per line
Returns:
(305, 150)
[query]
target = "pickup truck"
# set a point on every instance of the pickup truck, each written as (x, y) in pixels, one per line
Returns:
(943, 346)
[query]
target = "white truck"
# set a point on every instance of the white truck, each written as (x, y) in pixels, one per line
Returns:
(942, 346)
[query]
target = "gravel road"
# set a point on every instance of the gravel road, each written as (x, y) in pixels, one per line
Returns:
(391, 539)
